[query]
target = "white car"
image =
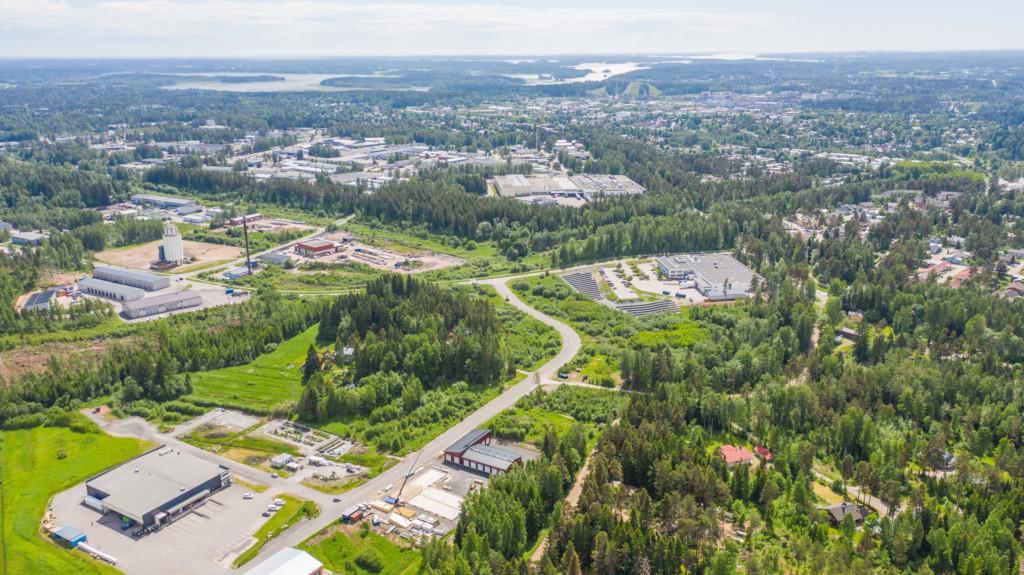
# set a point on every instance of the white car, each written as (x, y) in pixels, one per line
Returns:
(279, 502)
(247, 496)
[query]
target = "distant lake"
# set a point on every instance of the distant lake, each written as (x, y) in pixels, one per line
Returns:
(597, 72)
(288, 83)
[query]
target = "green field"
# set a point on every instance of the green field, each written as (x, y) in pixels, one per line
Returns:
(35, 464)
(342, 277)
(270, 380)
(339, 551)
(683, 334)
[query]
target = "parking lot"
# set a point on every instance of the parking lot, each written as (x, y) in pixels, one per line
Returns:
(648, 281)
(204, 541)
(621, 289)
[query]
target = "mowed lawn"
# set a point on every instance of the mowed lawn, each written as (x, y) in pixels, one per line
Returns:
(36, 464)
(270, 380)
(338, 553)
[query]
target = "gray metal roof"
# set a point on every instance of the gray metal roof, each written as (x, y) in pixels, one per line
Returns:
(711, 270)
(492, 456)
(123, 290)
(467, 441)
(161, 200)
(127, 273)
(159, 300)
(145, 483)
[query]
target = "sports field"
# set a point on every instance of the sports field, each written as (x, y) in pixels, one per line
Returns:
(35, 464)
(271, 379)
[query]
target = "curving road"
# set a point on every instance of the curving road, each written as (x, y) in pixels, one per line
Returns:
(375, 487)
(372, 489)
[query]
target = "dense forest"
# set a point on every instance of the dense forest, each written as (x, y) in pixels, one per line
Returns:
(429, 335)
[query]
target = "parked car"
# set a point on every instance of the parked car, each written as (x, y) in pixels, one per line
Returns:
(247, 496)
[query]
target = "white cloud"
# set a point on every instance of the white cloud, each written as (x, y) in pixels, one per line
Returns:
(320, 27)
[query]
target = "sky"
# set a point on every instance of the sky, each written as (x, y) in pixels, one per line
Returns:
(332, 28)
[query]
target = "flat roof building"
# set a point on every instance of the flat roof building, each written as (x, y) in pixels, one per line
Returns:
(288, 561)
(235, 273)
(590, 185)
(717, 276)
(160, 304)
(110, 290)
(133, 278)
(475, 452)
(606, 184)
(27, 238)
(157, 487)
(69, 536)
(517, 185)
(315, 248)
(161, 201)
(275, 258)
(280, 460)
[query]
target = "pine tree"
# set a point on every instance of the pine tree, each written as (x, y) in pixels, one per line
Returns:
(312, 363)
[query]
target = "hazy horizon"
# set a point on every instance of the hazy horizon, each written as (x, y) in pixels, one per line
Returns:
(232, 29)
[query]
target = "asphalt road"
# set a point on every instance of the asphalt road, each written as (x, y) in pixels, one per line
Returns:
(373, 488)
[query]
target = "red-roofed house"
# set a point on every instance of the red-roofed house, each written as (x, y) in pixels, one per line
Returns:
(764, 453)
(733, 455)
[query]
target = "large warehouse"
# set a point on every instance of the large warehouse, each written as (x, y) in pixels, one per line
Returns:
(717, 276)
(161, 201)
(474, 452)
(160, 304)
(109, 290)
(156, 487)
(133, 278)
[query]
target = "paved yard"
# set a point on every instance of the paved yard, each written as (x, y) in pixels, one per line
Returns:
(203, 541)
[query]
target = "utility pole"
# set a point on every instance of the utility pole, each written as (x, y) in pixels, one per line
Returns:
(245, 234)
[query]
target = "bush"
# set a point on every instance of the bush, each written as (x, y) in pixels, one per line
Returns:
(370, 560)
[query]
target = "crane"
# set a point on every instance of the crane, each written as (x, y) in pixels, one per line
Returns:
(412, 469)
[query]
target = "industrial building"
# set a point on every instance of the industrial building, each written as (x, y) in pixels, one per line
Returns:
(288, 561)
(587, 185)
(275, 258)
(27, 238)
(717, 276)
(188, 209)
(172, 251)
(156, 487)
(281, 460)
(109, 290)
(235, 273)
(248, 219)
(474, 452)
(315, 248)
(133, 278)
(160, 304)
(517, 185)
(606, 184)
(161, 201)
(39, 301)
